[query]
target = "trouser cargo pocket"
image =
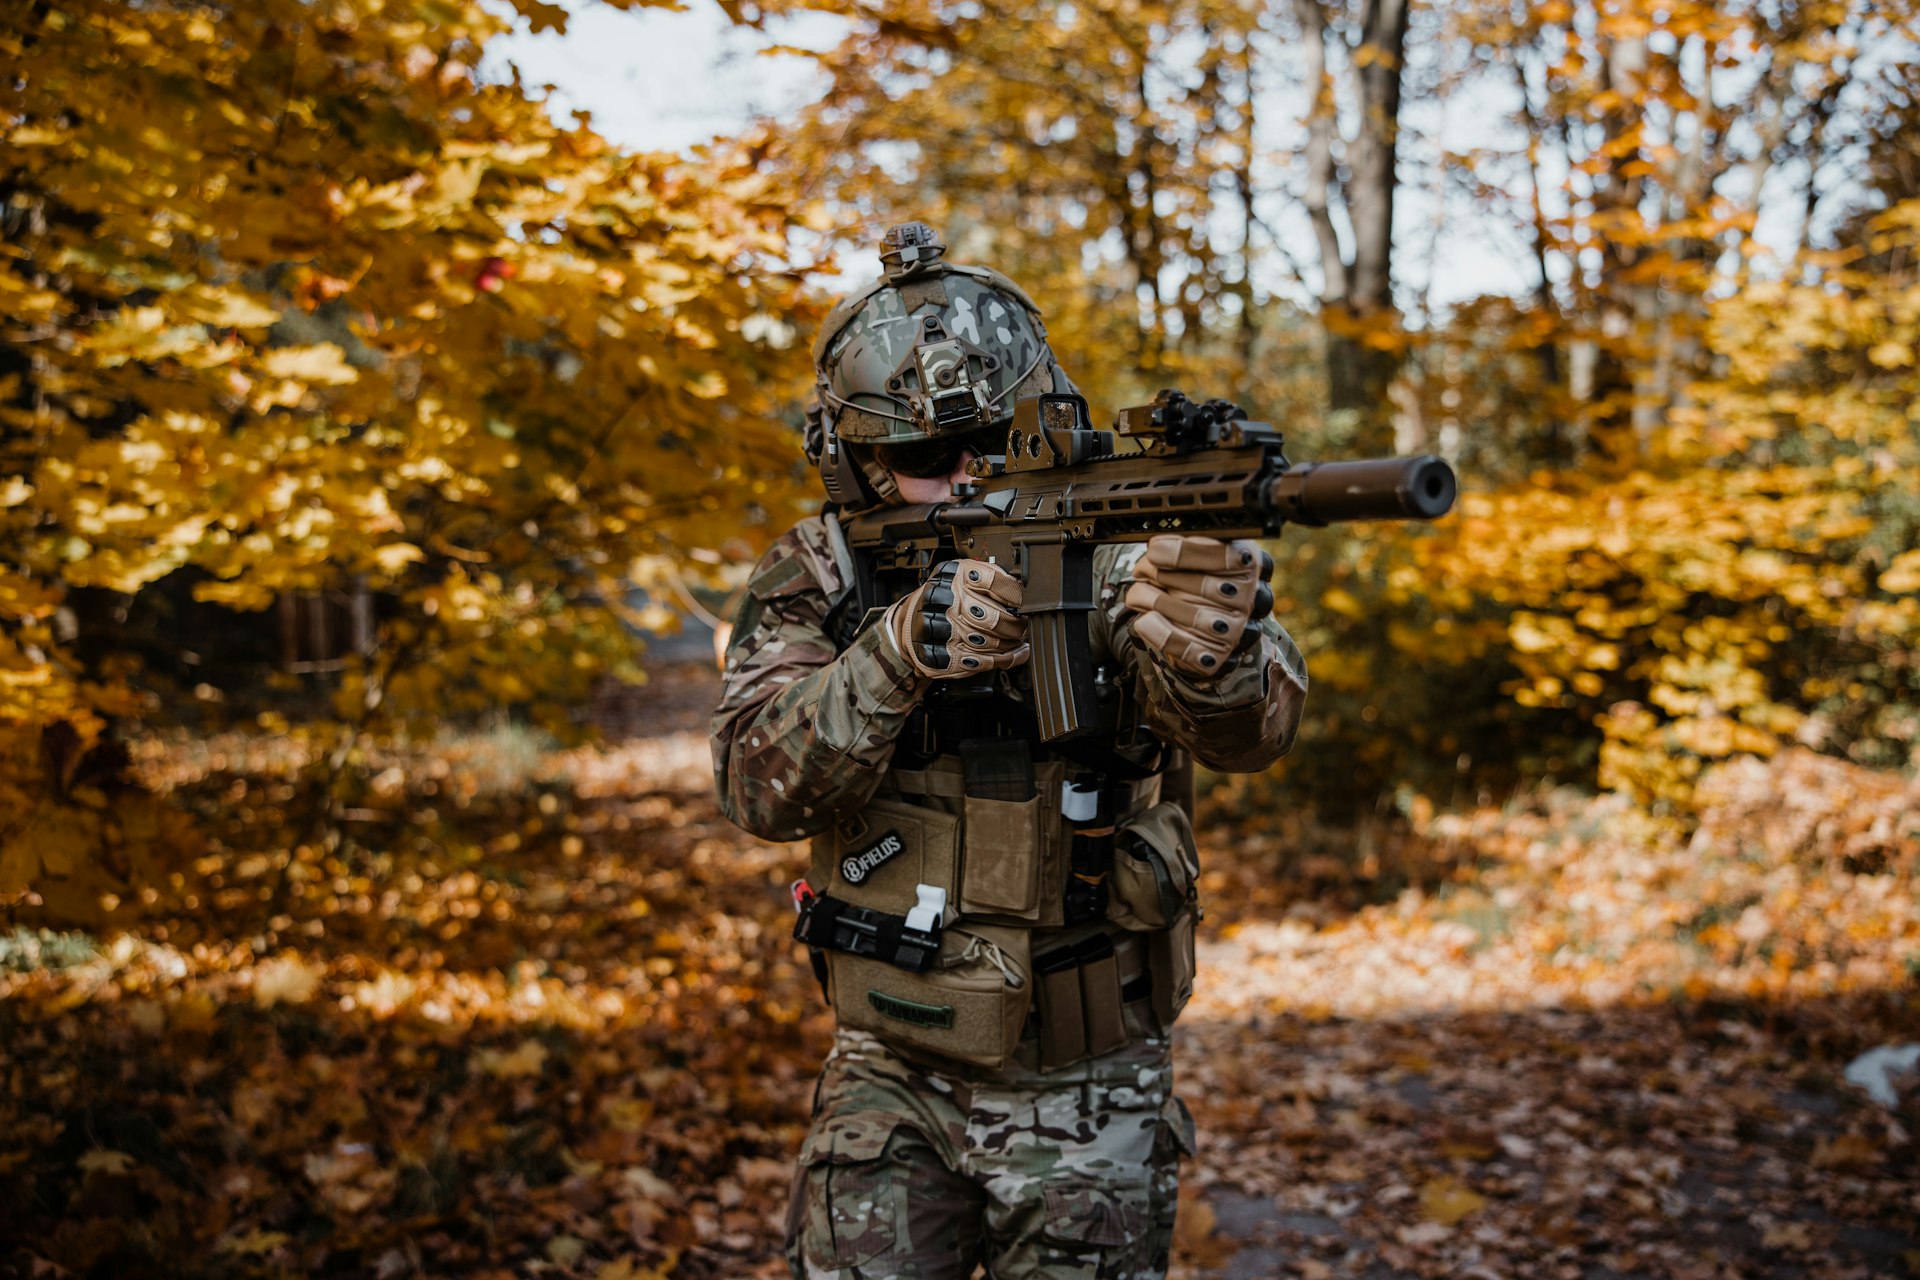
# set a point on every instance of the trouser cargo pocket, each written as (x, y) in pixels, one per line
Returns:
(1097, 1224)
(850, 1198)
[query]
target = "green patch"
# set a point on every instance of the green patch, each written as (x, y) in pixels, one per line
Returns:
(25, 950)
(1490, 922)
(920, 1015)
(779, 579)
(505, 758)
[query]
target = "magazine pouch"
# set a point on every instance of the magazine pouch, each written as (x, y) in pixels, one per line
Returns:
(1170, 961)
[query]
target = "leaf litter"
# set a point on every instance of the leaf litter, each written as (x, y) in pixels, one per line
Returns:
(553, 1025)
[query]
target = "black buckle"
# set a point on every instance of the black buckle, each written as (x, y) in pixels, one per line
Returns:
(833, 924)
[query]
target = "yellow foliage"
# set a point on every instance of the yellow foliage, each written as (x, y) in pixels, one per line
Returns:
(1902, 577)
(1680, 608)
(302, 319)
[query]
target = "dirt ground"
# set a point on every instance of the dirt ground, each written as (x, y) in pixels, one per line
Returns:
(542, 1017)
(1536, 1137)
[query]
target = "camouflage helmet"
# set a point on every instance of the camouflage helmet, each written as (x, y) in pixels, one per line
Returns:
(931, 349)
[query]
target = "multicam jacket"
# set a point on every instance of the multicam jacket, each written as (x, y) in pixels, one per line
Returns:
(804, 734)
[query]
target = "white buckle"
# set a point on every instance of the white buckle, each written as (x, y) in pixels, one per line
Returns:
(933, 907)
(1079, 804)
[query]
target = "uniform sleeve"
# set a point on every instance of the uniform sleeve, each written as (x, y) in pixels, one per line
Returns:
(802, 735)
(1239, 722)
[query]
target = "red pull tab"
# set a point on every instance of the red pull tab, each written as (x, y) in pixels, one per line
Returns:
(802, 894)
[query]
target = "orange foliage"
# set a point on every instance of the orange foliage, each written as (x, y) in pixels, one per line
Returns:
(293, 301)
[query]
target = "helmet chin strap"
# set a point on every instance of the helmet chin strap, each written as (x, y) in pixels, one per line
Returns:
(879, 479)
(852, 483)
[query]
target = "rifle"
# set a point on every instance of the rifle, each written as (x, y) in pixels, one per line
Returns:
(1062, 489)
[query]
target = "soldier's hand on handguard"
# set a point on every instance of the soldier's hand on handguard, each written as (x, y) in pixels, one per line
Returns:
(962, 621)
(1197, 600)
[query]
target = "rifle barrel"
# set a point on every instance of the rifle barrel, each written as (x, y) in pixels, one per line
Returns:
(1418, 488)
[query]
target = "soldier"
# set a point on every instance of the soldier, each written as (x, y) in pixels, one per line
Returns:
(1005, 929)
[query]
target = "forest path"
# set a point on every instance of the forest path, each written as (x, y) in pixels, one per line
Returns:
(1657, 1141)
(1409, 1097)
(537, 1015)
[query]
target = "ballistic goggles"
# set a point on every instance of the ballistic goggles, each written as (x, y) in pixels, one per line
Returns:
(940, 456)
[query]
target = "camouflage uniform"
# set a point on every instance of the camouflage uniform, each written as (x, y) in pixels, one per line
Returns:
(918, 1169)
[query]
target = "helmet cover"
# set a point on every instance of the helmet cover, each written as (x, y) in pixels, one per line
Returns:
(933, 349)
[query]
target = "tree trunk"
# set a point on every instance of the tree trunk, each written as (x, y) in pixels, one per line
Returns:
(1358, 379)
(1610, 417)
(1356, 294)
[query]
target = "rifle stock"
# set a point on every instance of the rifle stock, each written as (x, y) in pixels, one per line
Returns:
(1063, 489)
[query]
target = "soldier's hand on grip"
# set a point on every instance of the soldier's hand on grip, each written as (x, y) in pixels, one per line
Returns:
(963, 620)
(1197, 598)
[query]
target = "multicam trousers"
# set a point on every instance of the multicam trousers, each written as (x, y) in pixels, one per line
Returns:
(912, 1172)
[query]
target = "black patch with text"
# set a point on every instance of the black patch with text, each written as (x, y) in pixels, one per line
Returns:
(856, 867)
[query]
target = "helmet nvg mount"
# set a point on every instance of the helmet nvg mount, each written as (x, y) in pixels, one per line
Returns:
(931, 350)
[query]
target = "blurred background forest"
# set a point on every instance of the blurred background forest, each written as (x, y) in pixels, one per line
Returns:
(365, 413)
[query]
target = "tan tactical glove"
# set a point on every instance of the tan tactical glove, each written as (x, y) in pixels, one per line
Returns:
(1197, 599)
(962, 621)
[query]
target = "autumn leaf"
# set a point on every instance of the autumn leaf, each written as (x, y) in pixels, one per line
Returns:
(396, 556)
(323, 364)
(1891, 355)
(529, 1059)
(1902, 576)
(228, 308)
(112, 1163)
(1194, 1231)
(627, 1267)
(254, 1243)
(1846, 1151)
(542, 16)
(285, 979)
(1796, 1236)
(1448, 1200)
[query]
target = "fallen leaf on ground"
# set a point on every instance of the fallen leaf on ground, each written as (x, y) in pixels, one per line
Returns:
(1448, 1200)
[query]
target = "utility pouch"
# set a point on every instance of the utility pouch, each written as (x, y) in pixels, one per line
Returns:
(1170, 962)
(969, 1006)
(1002, 864)
(1100, 995)
(1155, 866)
(880, 857)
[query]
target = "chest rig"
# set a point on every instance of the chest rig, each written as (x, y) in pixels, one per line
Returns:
(999, 897)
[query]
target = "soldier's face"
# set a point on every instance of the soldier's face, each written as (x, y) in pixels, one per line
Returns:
(934, 488)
